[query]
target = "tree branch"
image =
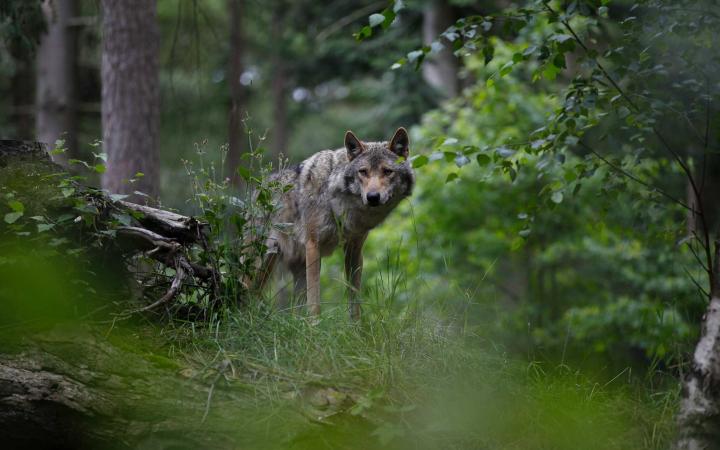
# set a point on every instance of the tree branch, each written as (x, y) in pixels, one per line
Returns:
(636, 179)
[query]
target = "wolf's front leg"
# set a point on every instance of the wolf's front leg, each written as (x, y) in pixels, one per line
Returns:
(312, 271)
(353, 273)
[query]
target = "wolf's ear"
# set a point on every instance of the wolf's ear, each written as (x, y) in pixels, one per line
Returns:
(399, 144)
(353, 145)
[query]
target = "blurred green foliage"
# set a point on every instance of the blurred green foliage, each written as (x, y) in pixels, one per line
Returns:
(525, 234)
(527, 253)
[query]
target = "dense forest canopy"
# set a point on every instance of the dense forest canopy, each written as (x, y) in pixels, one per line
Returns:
(555, 273)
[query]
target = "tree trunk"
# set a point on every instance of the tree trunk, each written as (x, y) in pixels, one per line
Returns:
(441, 69)
(279, 87)
(22, 91)
(55, 84)
(699, 418)
(130, 95)
(237, 92)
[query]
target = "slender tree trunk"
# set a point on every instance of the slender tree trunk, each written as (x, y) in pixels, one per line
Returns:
(130, 95)
(279, 87)
(55, 84)
(237, 92)
(280, 111)
(699, 418)
(22, 92)
(441, 70)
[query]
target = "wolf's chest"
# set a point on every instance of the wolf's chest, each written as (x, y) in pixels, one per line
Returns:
(356, 220)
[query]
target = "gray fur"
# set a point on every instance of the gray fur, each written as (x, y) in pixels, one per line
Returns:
(326, 195)
(326, 203)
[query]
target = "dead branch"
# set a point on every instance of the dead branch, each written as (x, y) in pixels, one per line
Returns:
(182, 228)
(181, 271)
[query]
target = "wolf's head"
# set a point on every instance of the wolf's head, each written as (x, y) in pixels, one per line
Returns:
(379, 172)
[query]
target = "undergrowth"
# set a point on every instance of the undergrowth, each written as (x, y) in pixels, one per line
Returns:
(411, 374)
(402, 380)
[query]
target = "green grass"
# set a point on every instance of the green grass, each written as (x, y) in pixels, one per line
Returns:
(416, 373)
(404, 379)
(407, 376)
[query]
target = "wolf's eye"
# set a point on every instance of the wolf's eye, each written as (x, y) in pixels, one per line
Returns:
(388, 172)
(363, 172)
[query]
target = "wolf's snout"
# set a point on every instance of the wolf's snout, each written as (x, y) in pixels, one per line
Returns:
(373, 198)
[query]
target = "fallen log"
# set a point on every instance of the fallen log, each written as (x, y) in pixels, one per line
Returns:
(164, 236)
(72, 388)
(167, 223)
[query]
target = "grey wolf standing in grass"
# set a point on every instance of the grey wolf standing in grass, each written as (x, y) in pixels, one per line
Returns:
(337, 197)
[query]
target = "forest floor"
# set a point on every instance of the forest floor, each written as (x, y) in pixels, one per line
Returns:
(262, 379)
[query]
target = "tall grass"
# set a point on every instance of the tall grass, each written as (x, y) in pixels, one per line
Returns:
(404, 377)
(411, 374)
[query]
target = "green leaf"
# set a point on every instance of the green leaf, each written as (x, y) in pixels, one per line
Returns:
(419, 161)
(118, 197)
(461, 160)
(483, 160)
(42, 227)
(389, 18)
(505, 152)
(414, 55)
(100, 168)
(488, 53)
(517, 243)
(551, 71)
(376, 19)
(16, 206)
(572, 140)
(560, 37)
(451, 176)
(124, 219)
(67, 192)
(557, 197)
(243, 172)
(506, 68)
(529, 51)
(436, 156)
(364, 33)
(13, 216)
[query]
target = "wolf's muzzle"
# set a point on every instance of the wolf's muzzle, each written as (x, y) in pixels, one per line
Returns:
(373, 198)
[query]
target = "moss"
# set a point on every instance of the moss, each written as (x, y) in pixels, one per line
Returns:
(35, 184)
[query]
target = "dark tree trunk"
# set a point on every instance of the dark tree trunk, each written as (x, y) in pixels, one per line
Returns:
(441, 70)
(130, 95)
(279, 87)
(55, 84)
(237, 92)
(22, 92)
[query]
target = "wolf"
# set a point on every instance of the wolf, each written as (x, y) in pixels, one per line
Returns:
(335, 198)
